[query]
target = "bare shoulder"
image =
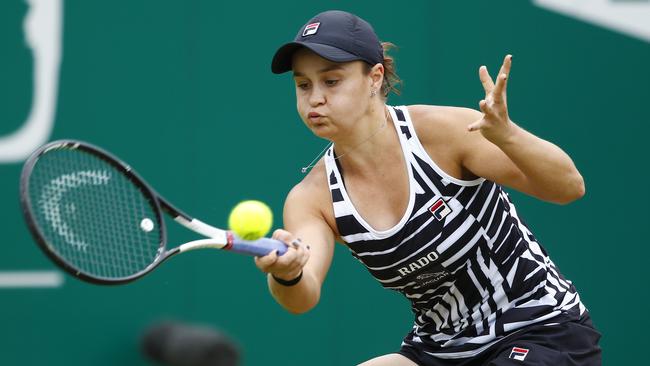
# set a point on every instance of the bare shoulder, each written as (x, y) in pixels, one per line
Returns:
(437, 123)
(443, 133)
(313, 188)
(311, 197)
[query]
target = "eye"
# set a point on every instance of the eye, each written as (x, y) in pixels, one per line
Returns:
(302, 85)
(331, 82)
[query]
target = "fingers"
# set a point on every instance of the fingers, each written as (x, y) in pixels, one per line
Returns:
(494, 108)
(483, 105)
(502, 78)
(486, 79)
(489, 107)
(505, 67)
(498, 89)
(265, 262)
(288, 265)
(476, 125)
(282, 235)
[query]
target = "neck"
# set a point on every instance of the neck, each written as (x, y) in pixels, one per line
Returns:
(369, 142)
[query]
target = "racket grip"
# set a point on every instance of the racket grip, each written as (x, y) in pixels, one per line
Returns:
(259, 247)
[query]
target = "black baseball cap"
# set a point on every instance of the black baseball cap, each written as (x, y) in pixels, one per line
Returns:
(335, 35)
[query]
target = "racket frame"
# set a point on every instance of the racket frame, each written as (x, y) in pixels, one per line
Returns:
(217, 238)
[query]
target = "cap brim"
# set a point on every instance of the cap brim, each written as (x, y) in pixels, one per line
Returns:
(284, 56)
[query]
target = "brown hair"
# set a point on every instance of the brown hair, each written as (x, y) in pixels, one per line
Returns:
(391, 79)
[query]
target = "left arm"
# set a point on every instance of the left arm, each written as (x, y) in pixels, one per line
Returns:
(535, 166)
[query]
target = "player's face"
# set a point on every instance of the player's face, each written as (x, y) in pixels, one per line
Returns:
(330, 96)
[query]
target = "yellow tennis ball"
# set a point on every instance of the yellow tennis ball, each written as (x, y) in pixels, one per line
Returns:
(250, 220)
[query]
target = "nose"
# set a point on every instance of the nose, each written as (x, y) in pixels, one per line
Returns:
(316, 97)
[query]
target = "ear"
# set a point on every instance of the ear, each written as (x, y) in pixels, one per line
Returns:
(377, 76)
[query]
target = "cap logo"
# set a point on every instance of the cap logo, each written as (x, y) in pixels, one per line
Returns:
(310, 29)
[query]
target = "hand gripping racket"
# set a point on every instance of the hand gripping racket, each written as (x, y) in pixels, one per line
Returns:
(98, 220)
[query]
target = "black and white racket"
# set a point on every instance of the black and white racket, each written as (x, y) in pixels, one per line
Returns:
(98, 220)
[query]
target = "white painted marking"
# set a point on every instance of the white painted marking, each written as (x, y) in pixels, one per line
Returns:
(31, 279)
(631, 17)
(42, 27)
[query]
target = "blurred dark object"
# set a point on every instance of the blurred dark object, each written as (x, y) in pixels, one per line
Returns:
(176, 344)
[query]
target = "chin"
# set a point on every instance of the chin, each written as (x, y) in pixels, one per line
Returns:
(323, 131)
(327, 135)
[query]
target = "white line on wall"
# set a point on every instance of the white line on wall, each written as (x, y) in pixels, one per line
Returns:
(30, 279)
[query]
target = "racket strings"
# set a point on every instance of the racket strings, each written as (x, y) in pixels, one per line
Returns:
(92, 215)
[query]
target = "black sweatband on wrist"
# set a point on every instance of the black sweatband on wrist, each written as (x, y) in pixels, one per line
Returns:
(290, 282)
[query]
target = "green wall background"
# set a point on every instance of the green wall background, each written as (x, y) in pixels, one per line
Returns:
(182, 91)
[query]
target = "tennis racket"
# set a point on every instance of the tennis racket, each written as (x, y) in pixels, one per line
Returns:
(100, 221)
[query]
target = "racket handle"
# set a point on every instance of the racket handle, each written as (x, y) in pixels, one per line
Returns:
(259, 247)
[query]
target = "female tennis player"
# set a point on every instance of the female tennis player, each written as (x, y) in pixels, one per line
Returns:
(415, 192)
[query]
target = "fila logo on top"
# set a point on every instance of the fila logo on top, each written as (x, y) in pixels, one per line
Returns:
(518, 353)
(310, 29)
(440, 209)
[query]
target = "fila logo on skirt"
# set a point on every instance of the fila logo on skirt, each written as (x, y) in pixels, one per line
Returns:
(518, 353)
(440, 209)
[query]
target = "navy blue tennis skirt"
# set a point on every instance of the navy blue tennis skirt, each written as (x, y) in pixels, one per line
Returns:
(573, 343)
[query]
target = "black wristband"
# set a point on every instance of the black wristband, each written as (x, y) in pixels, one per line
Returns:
(290, 282)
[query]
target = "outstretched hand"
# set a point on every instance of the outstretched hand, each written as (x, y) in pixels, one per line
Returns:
(495, 125)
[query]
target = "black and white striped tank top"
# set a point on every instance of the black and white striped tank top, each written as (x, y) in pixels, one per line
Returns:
(470, 267)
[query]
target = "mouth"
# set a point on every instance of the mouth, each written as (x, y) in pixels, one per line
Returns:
(314, 117)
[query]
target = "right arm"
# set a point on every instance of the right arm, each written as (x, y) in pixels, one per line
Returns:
(303, 219)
